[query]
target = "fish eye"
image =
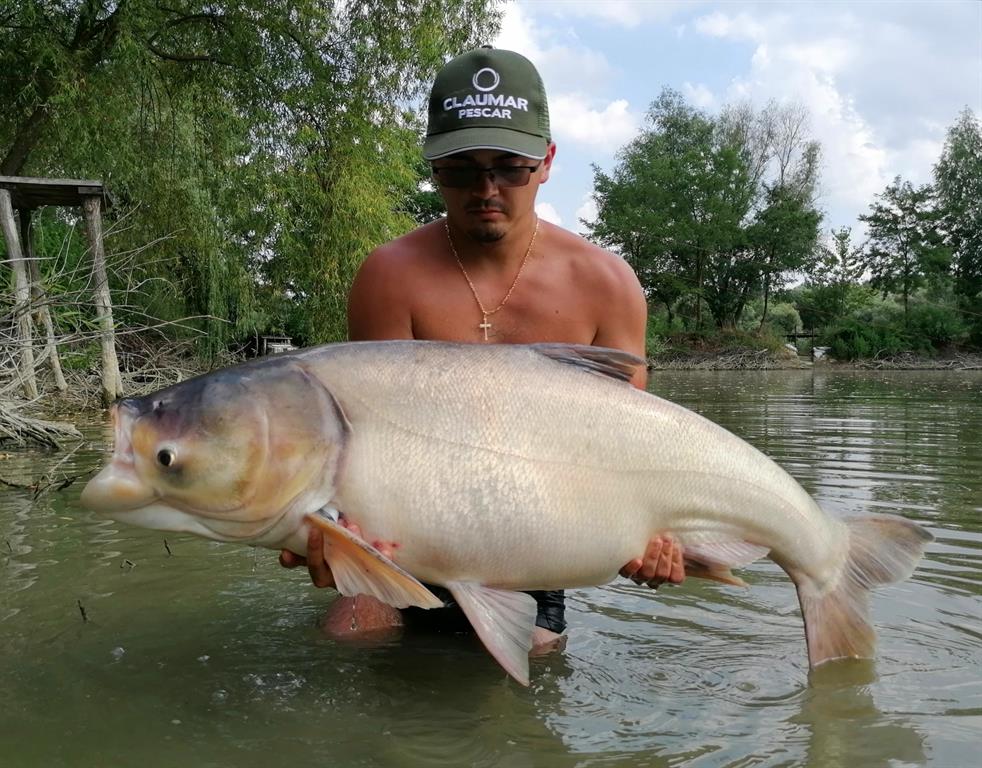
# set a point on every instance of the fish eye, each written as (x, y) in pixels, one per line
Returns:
(166, 457)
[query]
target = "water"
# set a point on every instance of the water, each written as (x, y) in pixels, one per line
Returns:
(210, 655)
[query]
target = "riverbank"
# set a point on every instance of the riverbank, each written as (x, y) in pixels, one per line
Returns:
(767, 360)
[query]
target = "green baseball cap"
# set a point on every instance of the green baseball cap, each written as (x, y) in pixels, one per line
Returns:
(488, 98)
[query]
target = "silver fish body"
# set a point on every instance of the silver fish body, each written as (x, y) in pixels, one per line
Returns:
(491, 469)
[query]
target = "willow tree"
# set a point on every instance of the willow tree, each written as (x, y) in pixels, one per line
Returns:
(265, 147)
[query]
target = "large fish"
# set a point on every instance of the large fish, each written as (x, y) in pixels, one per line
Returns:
(487, 469)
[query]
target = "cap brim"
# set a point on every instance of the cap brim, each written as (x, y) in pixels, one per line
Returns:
(470, 139)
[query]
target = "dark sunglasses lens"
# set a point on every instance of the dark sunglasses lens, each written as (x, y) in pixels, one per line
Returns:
(512, 177)
(505, 176)
(457, 177)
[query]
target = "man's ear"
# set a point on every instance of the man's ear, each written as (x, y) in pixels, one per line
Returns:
(547, 163)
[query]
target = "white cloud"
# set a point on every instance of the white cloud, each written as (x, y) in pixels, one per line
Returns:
(870, 75)
(698, 95)
(548, 212)
(735, 27)
(588, 212)
(604, 129)
(564, 63)
(623, 13)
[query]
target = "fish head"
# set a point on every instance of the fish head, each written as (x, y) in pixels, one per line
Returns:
(238, 455)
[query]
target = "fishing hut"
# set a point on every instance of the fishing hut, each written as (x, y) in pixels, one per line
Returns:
(20, 196)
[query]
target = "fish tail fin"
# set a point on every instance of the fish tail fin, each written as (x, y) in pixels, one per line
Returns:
(882, 549)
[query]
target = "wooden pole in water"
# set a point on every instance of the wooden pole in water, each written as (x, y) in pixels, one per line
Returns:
(112, 382)
(22, 294)
(40, 301)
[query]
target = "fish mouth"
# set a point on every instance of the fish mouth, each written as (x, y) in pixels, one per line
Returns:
(117, 488)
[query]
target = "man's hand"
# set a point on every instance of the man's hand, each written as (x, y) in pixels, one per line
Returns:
(662, 562)
(317, 567)
(320, 571)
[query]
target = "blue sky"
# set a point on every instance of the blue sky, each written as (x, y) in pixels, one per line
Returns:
(882, 81)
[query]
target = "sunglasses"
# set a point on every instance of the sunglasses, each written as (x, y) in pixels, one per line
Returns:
(460, 176)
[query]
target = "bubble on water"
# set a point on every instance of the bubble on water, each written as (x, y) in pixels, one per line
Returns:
(220, 696)
(175, 722)
(204, 659)
(117, 653)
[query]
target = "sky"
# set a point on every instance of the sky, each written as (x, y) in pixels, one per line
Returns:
(882, 81)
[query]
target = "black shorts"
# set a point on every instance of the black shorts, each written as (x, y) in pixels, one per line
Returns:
(551, 612)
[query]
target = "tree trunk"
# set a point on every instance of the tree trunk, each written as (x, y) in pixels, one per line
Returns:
(112, 382)
(767, 295)
(25, 357)
(40, 302)
(698, 291)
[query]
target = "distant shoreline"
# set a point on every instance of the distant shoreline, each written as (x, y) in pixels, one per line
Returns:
(766, 360)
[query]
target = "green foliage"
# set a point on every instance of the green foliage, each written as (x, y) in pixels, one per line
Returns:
(782, 318)
(690, 206)
(256, 152)
(905, 246)
(854, 339)
(938, 324)
(958, 181)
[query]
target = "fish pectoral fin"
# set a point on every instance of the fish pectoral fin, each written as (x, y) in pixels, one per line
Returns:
(714, 559)
(504, 620)
(360, 569)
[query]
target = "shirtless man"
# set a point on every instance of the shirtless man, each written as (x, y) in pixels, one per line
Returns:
(493, 272)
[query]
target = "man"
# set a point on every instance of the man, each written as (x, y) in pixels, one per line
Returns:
(492, 272)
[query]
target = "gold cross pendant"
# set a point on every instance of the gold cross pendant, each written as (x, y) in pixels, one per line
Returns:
(485, 326)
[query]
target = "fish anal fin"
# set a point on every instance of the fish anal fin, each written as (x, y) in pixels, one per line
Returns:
(714, 559)
(504, 620)
(360, 569)
(698, 570)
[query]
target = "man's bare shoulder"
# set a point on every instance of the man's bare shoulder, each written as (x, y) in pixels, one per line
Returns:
(606, 272)
(406, 255)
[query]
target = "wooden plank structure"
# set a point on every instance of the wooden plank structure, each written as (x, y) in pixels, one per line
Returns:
(24, 195)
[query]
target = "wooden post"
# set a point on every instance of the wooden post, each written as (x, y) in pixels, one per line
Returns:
(40, 301)
(112, 382)
(22, 294)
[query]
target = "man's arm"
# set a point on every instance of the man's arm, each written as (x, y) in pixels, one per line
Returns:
(623, 315)
(378, 302)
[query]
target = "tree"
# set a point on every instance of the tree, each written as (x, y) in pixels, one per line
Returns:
(720, 208)
(958, 182)
(784, 235)
(274, 144)
(904, 244)
(832, 290)
(676, 198)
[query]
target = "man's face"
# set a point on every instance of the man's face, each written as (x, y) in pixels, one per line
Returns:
(486, 209)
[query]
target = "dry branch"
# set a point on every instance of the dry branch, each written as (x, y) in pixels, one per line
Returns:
(19, 428)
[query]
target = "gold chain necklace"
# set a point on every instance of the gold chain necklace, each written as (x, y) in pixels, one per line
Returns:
(486, 313)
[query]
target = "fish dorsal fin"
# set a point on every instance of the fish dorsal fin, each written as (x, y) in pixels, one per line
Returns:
(360, 569)
(615, 363)
(504, 620)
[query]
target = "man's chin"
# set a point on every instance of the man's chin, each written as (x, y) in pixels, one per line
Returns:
(487, 232)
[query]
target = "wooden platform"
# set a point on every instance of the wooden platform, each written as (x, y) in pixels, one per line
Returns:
(28, 193)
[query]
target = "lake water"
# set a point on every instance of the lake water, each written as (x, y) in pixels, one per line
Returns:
(191, 653)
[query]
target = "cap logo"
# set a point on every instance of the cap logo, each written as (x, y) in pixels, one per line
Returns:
(495, 80)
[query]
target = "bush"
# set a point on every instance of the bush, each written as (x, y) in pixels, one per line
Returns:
(937, 324)
(856, 338)
(783, 318)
